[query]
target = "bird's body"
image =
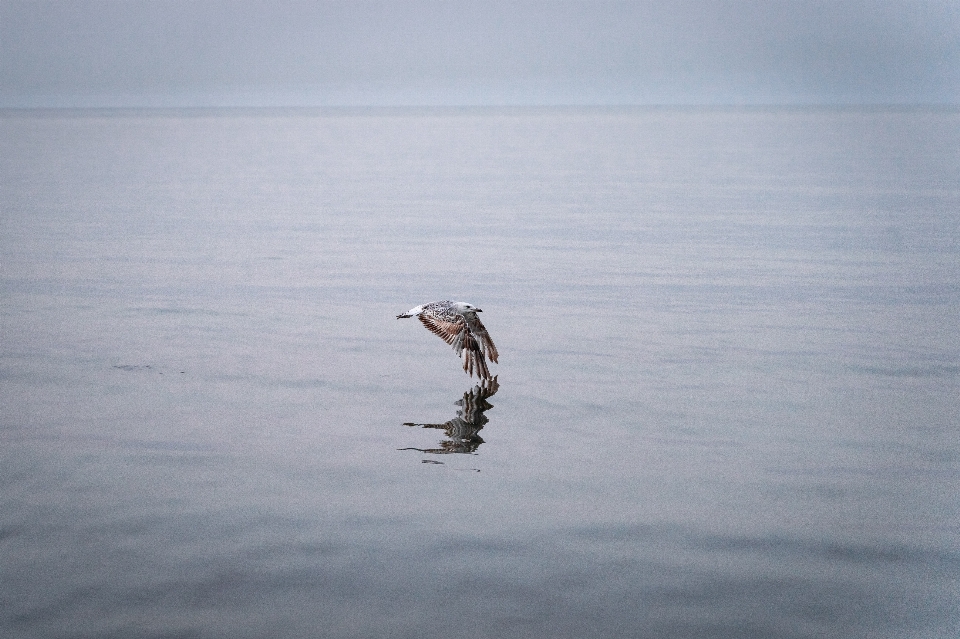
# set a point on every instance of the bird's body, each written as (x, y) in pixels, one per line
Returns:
(457, 324)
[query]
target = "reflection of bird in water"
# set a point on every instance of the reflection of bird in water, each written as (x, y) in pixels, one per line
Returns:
(457, 324)
(463, 430)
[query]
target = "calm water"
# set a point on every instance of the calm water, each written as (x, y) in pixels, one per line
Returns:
(726, 404)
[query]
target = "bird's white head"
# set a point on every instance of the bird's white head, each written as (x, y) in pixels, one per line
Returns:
(463, 307)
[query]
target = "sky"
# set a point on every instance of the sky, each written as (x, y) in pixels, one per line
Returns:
(197, 53)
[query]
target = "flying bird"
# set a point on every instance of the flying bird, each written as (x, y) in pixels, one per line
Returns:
(457, 324)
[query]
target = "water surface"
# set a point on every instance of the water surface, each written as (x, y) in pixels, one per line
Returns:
(726, 404)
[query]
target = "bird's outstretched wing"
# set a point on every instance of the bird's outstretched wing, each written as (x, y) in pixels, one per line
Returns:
(460, 333)
(480, 333)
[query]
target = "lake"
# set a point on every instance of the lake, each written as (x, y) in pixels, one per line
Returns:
(727, 402)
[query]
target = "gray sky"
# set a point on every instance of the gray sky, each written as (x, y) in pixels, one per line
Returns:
(210, 53)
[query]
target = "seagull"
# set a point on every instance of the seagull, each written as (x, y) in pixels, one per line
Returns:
(457, 324)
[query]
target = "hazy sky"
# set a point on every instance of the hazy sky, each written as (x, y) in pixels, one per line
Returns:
(196, 53)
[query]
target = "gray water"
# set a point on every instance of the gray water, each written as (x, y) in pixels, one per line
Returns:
(726, 403)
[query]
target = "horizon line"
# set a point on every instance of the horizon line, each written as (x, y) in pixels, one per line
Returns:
(465, 106)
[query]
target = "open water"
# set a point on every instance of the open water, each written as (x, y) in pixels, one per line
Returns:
(727, 404)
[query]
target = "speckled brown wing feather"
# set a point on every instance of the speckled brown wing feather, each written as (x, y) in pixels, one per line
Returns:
(458, 334)
(479, 331)
(448, 331)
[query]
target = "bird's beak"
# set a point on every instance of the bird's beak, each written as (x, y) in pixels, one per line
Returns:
(479, 310)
